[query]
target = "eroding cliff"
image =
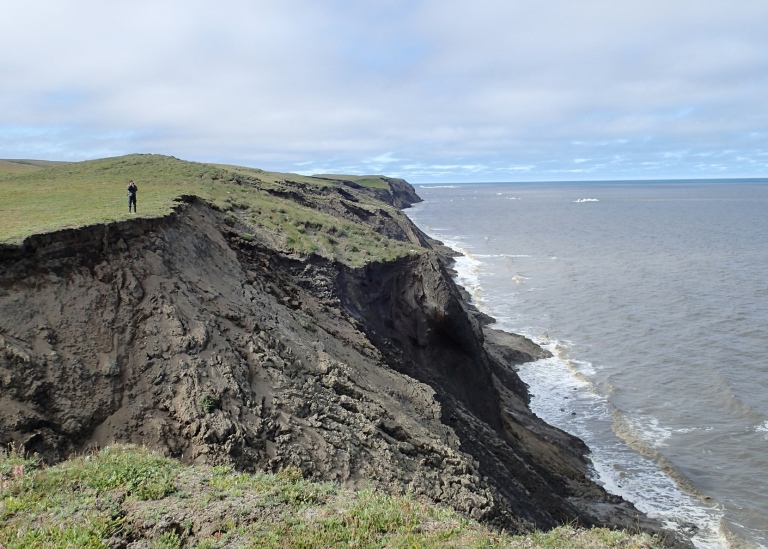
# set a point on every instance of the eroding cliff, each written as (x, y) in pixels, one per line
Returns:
(190, 336)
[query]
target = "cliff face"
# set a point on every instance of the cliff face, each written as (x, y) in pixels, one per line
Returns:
(401, 194)
(186, 335)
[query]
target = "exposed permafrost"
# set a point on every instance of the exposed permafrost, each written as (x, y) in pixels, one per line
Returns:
(182, 335)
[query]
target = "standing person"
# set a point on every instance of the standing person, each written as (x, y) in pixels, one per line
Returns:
(132, 190)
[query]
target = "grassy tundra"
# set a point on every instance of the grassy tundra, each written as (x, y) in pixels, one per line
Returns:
(126, 494)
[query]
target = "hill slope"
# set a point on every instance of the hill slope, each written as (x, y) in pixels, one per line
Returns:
(16, 166)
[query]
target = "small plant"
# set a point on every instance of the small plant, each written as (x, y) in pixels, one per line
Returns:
(291, 475)
(14, 464)
(138, 472)
(169, 540)
(210, 403)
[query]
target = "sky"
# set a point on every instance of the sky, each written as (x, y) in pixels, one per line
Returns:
(429, 90)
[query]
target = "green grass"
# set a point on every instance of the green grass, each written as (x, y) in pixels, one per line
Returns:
(69, 505)
(370, 181)
(15, 166)
(307, 230)
(87, 193)
(130, 493)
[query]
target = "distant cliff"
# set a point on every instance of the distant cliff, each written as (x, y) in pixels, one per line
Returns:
(201, 335)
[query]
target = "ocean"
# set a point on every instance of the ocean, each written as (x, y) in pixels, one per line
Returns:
(653, 299)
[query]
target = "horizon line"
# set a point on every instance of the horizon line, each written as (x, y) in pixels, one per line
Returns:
(656, 180)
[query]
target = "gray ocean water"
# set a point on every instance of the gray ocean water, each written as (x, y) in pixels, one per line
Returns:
(653, 297)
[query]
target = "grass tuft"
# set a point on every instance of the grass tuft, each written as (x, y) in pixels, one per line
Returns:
(140, 473)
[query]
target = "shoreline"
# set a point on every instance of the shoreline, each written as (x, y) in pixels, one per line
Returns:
(704, 530)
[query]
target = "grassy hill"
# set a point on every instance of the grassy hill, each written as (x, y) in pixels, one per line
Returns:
(126, 494)
(85, 193)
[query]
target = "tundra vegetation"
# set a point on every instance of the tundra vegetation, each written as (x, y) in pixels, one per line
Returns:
(129, 495)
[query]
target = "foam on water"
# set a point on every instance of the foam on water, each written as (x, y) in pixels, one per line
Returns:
(648, 428)
(563, 394)
(467, 267)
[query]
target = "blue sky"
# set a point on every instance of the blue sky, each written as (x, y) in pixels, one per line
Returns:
(433, 91)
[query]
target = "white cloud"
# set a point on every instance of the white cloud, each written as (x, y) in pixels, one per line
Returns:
(424, 88)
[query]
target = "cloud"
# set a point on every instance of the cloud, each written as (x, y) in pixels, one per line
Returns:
(424, 89)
